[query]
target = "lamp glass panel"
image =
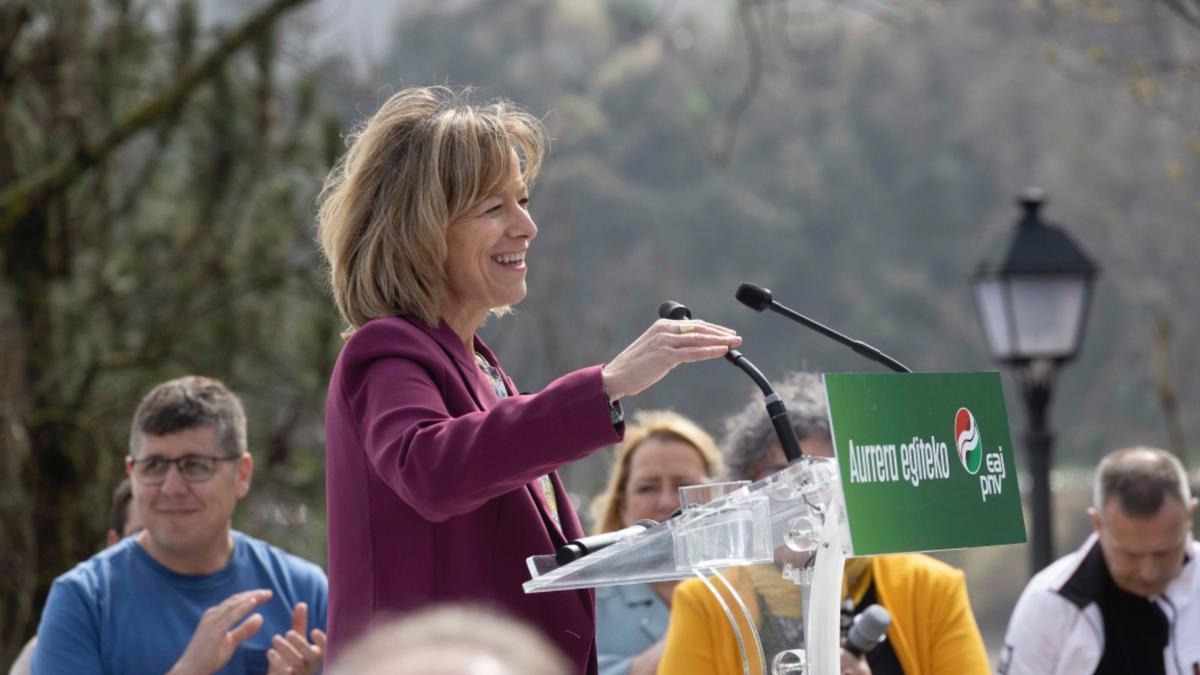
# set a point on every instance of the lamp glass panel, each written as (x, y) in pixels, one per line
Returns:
(989, 298)
(1048, 313)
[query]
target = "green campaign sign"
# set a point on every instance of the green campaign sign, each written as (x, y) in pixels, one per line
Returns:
(926, 461)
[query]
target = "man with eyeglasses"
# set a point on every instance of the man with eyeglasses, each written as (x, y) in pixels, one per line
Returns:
(175, 597)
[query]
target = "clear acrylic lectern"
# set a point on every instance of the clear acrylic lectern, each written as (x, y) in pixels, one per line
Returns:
(771, 554)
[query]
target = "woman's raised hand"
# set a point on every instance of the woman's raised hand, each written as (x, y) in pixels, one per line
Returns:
(664, 345)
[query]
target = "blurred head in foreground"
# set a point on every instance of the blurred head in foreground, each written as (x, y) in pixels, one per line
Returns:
(452, 640)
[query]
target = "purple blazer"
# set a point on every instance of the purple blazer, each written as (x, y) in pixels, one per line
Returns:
(431, 481)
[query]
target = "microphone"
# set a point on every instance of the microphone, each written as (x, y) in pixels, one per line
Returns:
(577, 548)
(758, 298)
(868, 630)
(775, 408)
(674, 311)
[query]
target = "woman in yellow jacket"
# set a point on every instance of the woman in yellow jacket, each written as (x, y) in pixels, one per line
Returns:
(933, 631)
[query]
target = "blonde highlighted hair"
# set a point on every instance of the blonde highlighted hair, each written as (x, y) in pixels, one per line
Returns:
(419, 163)
(663, 425)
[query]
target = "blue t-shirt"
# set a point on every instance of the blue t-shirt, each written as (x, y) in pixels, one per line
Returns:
(120, 611)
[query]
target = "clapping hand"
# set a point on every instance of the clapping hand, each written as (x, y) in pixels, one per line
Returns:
(291, 654)
(216, 639)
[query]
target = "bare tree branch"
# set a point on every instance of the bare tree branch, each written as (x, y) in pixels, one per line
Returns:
(720, 148)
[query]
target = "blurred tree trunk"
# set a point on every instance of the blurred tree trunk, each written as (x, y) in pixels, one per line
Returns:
(17, 559)
(1164, 385)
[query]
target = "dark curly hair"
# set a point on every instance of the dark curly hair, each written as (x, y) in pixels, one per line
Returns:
(748, 431)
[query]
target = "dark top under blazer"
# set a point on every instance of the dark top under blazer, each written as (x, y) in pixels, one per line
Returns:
(431, 481)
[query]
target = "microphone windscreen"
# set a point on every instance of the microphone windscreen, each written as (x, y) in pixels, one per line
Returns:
(756, 298)
(869, 629)
(674, 311)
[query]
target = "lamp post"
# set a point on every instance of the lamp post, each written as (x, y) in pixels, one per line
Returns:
(1033, 304)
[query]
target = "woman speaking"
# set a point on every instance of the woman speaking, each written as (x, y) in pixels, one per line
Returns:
(440, 476)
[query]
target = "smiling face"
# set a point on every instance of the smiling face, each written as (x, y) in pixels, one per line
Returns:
(187, 524)
(486, 248)
(1144, 555)
(657, 469)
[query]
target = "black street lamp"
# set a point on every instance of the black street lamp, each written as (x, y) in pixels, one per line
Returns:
(1033, 303)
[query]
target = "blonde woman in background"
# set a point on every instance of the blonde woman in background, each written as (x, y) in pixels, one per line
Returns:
(662, 451)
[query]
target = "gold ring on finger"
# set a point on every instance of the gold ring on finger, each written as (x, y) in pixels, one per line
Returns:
(685, 328)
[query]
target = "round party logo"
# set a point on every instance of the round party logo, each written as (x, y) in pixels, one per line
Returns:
(966, 439)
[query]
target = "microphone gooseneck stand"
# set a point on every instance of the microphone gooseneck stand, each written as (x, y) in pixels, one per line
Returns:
(827, 579)
(776, 410)
(758, 299)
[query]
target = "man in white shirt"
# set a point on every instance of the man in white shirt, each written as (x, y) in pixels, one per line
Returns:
(1128, 601)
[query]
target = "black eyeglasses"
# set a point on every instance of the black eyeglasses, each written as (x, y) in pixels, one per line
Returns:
(193, 468)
